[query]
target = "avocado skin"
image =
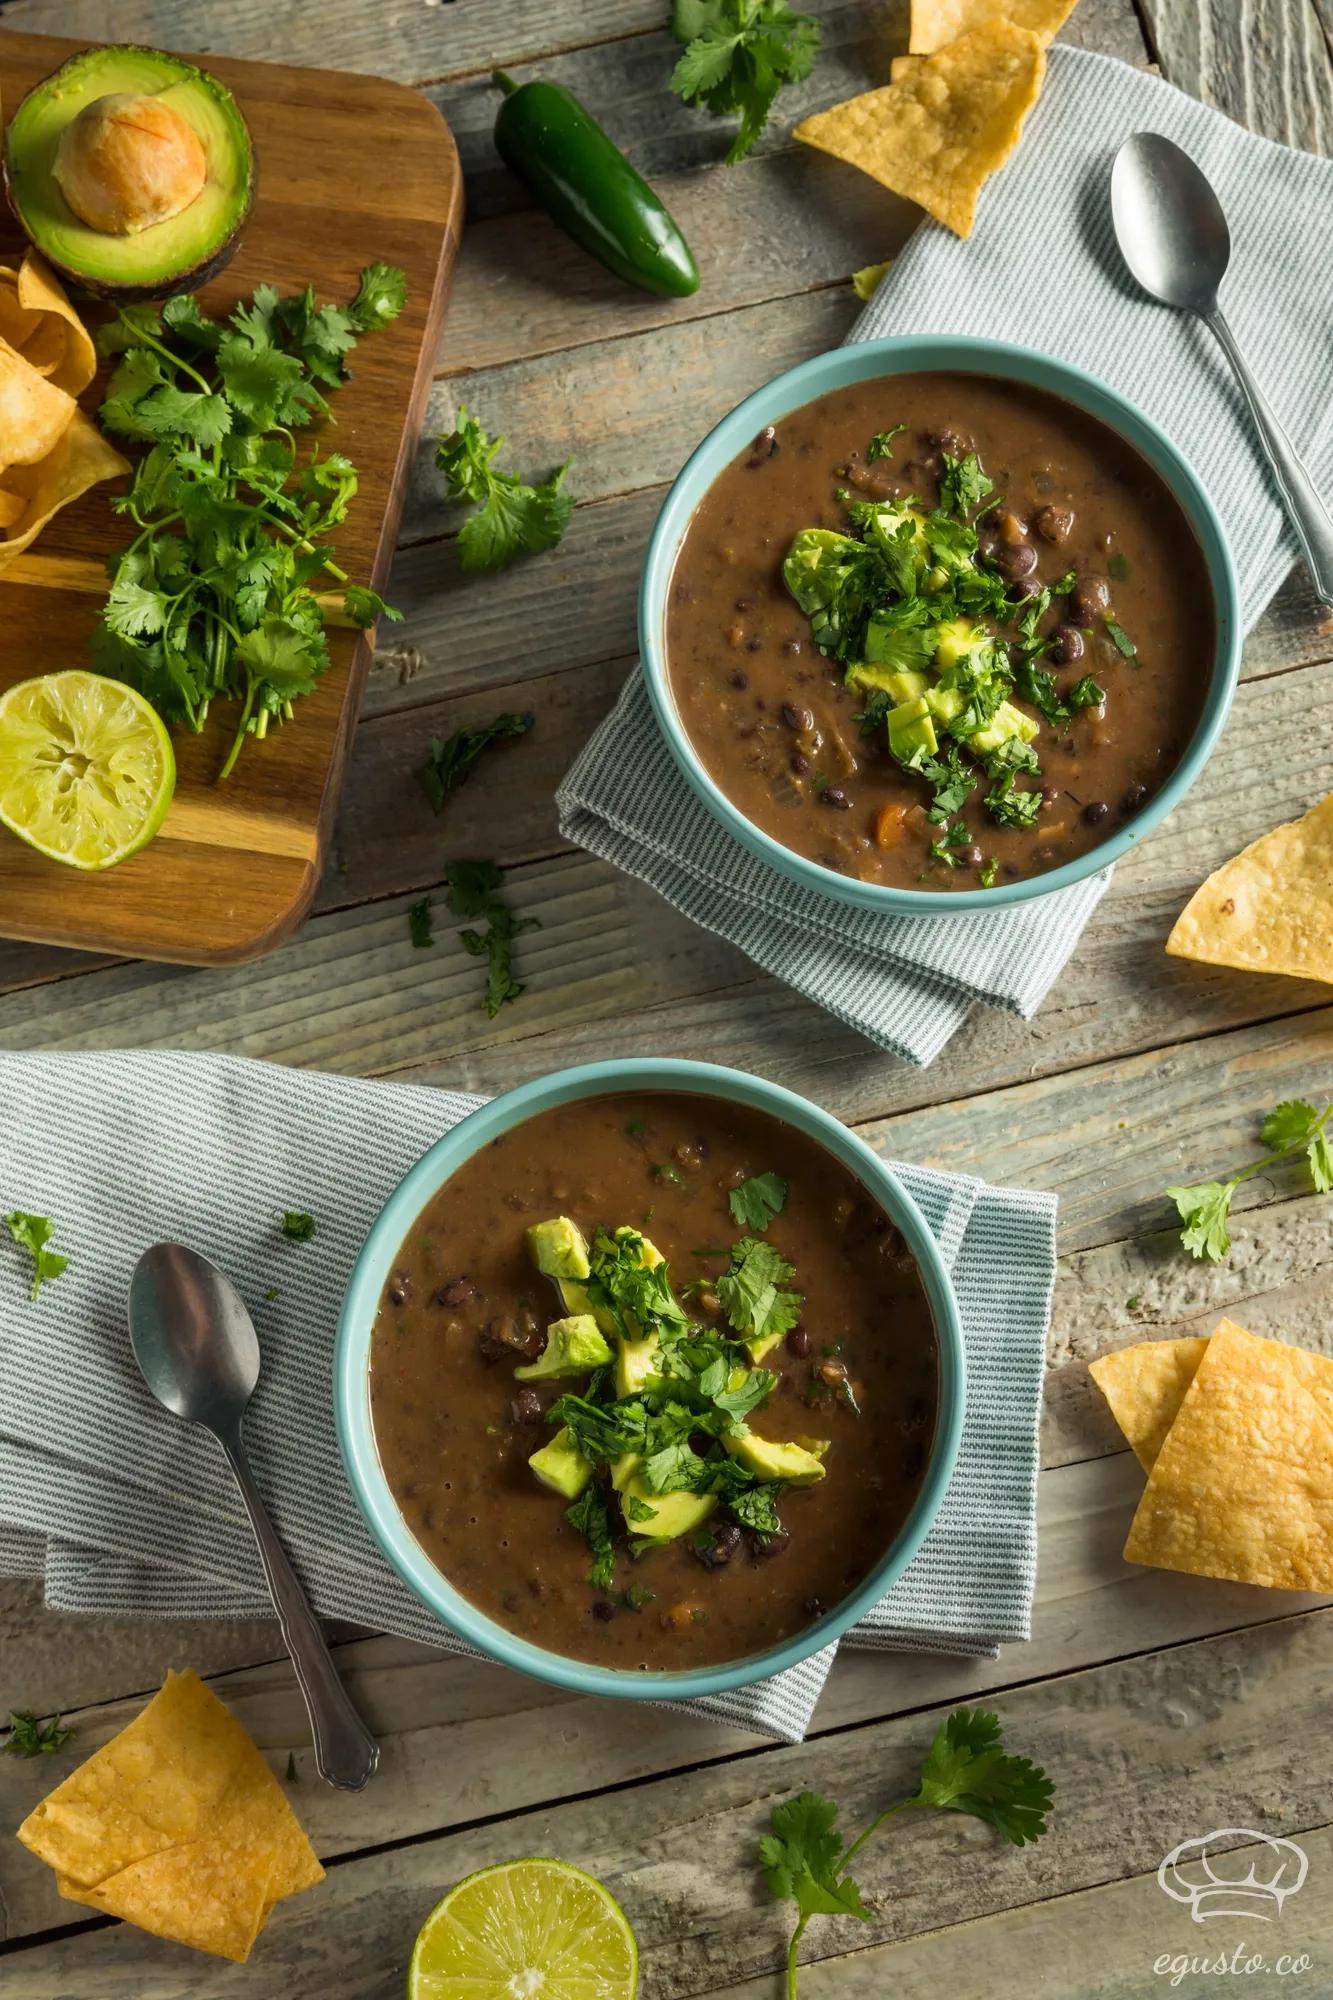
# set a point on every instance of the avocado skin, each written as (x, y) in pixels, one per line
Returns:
(189, 278)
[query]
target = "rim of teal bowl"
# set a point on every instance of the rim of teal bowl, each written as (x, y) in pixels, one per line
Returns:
(964, 354)
(351, 1371)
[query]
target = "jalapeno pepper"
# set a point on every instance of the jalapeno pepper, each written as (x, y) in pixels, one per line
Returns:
(585, 183)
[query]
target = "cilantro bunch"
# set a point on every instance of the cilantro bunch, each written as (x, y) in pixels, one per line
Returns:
(966, 1769)
(216, 596)
(738, 55)
(1293, 1130)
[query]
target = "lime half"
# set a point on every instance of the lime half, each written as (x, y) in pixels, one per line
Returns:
(86, 768)
(525, 1930)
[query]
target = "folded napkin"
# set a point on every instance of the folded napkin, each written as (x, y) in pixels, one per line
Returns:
(127, 1512)
(1042, 269)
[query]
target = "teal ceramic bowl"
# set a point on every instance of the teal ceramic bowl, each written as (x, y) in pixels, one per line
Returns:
(911, 354)
(351, 1372)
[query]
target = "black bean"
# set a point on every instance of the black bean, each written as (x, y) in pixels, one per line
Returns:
(762, 1547)
(944, 439)
(1088, 599)
(798, 1342)
(455, 1293)
(400, 1288)
(602, 1610)
(1133, 799)
(1049, 794)
(970, 856)
(1016, 559)
(526, 1408)
(1095, 813)
(797, 718)
(745, 604)
(799, 763)
(832, 1373)
(1068, 645)
(1053, 524)
(504, 1338)
(753, 645)
(792, 646)
(717, 1549)
(813, 1606)
(834, 796)
(739, 678)
(762, 449)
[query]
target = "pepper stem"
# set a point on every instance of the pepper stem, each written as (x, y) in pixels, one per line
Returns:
(503, 81)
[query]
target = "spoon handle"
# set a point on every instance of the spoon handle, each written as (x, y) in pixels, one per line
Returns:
(1306, 511)
(345, 1751)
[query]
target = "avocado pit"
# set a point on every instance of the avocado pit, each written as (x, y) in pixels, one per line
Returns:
(128, 161)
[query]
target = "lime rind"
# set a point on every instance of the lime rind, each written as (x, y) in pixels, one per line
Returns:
(87, 770)
(532, 1929)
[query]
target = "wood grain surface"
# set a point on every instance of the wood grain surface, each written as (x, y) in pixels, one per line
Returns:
(352, 171)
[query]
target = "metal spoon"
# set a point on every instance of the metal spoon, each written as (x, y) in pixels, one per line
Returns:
(1174, 237)
(198, 1352)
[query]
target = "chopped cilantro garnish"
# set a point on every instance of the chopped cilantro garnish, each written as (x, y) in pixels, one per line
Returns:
(636, 1596)
(32, 1233)
(28, 1737)
(1120, 638)
(1292, 1130)
(1085, 693)
(1011, 807)
(881, 445)
(297, 1227)
(591, 1516)
(1118, 565)
(990, 868)
(419, 924)
(755, 1202)
(756, 1508)
(470, 891)
(963, 484)
(452, 758)
(954, 836)
(966, 1770)
(738, 55)
(752, 1293)
(952, 780)
(667, 1172)
(511, 517)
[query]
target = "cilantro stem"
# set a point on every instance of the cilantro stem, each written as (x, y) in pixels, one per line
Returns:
(142, 338)
(792, 1968)
(239, 741)
(848, 1853)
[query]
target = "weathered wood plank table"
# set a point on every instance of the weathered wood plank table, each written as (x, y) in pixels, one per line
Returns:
(1164, 1706)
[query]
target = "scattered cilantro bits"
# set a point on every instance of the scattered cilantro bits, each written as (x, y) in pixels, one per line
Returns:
(471, 890)
(738, 55)
(511, 518)
(29, 1737)
(216, 596)
(1296, 1133)
(33, 1233)
(420, 927)
(967, 1769)
(297, 1227)
(453, 758)
(755, 1202)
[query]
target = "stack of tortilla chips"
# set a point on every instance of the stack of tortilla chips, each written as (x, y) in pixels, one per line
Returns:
(1236, 1436)
(49, 451)
(176, 1825)
(955, 107)
(1271, 908)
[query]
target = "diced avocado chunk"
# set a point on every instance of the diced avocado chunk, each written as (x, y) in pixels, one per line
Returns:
(562, 1466)
(673, 1513)
(559, 1248)
(911, 729)
(900, 684)
(574, 1346)
(757, 1349)
(1007, 722)
(797, 1464)
(945, 703)
(955, 638)
(636, 1364)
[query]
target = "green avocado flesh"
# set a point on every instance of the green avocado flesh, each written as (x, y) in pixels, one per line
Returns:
(183, 247)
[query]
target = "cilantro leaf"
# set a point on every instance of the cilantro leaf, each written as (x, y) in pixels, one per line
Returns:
(801, 1857)
(963, 484)
(1204, 1210)
(756, 1508)
(419, 924)
(380, 297)
(512, 517)
(1289, 1125)
(366, 607)
(751, 1290)
(755, 1202)
(471, 885)
(1011, 807)
(32, 1233)
(1085, 693)
(1119, 638)
(738, 55)
(967, 1770)
(297, 1227)
(1319, 1156)
(1291, 1128)
(591, 1516)
(881, 445)
(470, 890)
(29, 1737)
(452, 759)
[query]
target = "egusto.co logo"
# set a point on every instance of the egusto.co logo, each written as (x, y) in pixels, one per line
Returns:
(1233, 1872)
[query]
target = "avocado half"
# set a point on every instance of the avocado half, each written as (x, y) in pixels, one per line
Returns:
(136, 261)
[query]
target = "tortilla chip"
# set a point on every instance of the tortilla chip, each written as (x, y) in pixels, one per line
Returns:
(1271, 908)
(935, 22)
(935, 136)
(13, 506)
(1242, 1487)
(33, 412)
(80, 459)
(176, 1825)
(38, 319)
(1145, 1386)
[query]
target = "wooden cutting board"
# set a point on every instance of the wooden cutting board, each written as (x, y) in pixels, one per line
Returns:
(352, 171)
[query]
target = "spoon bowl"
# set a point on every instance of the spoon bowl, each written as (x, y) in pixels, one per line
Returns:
(193, 1339)
(1169, 223)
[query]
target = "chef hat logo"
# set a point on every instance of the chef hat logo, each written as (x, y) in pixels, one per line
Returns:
(1233, 1872)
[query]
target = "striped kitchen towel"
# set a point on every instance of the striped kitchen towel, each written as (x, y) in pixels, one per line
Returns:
(126, 1512)
(1041, 268)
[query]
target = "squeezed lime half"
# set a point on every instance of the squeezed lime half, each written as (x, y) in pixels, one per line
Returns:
(525, 1930)
(86, 768)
